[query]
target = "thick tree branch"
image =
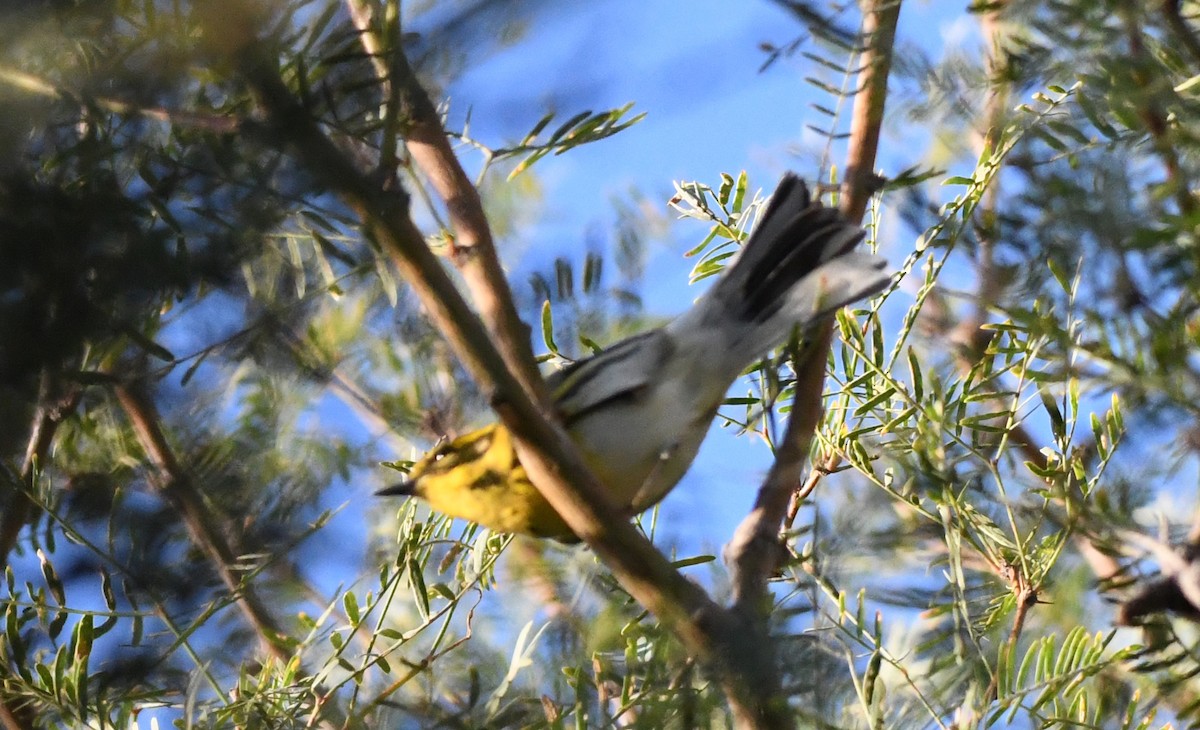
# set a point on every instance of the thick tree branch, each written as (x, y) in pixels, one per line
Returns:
(710, 633)
(54, 404)
(755, 552)
(879, 33)
(9, 719)
(471, 247)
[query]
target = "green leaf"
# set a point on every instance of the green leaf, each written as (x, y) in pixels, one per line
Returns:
(593, 266)
(110, 602)
(918, 381)
(1058, 425)
(1059, 275)
(878, 398)
(567, 126)
(149, 345)
(697, 560)
(739, 195)
(548, 328)
(590, 344)
(725, 189)
(537, 128)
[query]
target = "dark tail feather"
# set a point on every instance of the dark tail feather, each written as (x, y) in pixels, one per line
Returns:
(797, 267)
(818, 235)
(792, 239)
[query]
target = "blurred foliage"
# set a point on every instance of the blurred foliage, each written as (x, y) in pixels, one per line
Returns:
(1016, 414)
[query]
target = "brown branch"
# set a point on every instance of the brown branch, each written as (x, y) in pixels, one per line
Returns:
(56, 402)
(1153, 116)
(9, 719)
(472, 249)
(552, 461)
(173, 481)
(1027, 598)
(755, 551)
(1181, 29)
(802, 493)
(879, 31)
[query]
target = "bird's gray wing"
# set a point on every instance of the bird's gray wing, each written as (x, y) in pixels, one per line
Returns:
(621, 372)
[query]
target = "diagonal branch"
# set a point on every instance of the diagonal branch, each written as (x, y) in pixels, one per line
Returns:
(56, 401)
(172, 480)
(754, 551)
(472, 249)
(713, 635)
(546, 452)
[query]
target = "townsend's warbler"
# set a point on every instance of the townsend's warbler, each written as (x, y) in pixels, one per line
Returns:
(640, 409)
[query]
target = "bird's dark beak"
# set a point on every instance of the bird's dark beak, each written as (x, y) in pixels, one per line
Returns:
(403, 489)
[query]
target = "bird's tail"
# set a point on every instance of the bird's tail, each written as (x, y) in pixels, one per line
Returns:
(796, 268)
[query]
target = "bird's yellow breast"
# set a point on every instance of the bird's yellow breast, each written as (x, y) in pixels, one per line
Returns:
(478, 477)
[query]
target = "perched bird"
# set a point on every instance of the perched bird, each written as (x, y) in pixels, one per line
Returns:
(639, 409)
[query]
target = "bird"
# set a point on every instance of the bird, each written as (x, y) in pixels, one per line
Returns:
(639, 410)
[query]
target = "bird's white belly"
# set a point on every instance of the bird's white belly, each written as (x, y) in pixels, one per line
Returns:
(641, 448)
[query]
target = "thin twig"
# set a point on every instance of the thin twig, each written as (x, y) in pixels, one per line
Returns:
(1027, 598)
(38, 86)
(805, 490)
(344, 388)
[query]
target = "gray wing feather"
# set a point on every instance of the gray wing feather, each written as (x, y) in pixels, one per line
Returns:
(621, 372)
